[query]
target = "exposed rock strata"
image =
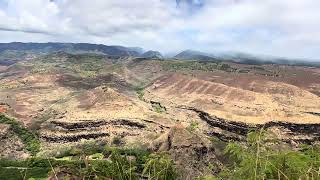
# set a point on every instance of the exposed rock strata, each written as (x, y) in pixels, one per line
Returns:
(62, 131)
(231, 130)
(73, 138)
(94, 124)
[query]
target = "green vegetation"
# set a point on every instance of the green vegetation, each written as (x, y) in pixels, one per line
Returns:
(159, 166)
(25, 169)
(32, 168)
(118, 67)
(12, 54)
(18, 174)
(262, 158)
(86, 65)
(261, 68)
(207, 178)
(140, 92)
(97, 156)
(121, 164)
(10, 86)
(193, 126)
(29, 139)
(158, 108)
(195, 65)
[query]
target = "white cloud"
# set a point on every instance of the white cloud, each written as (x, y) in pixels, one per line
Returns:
(284, 28)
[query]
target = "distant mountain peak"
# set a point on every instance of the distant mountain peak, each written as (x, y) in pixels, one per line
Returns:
(152, 54)
(194, 55)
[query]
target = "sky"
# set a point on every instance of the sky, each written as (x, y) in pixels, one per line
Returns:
(286, 28)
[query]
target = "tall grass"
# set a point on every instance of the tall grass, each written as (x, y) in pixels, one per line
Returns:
(261, 159)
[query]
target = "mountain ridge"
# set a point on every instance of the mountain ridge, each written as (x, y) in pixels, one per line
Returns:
(243, 58)
(30, 48)
(72, 47)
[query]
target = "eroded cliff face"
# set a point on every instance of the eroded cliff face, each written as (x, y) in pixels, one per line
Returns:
(284, 131)
(63, 131)
(191, 153)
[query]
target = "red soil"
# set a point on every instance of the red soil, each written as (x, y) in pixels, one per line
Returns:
(3, 110)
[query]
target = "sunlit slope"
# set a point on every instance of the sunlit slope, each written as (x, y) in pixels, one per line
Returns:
(266, 101)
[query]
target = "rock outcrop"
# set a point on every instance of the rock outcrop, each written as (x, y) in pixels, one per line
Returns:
(193, 155)
(285, 131)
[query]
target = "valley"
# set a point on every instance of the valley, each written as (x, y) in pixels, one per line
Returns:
(116, 98)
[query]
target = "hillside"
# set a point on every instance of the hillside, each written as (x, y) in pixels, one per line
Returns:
(69, 47)
(67, 101)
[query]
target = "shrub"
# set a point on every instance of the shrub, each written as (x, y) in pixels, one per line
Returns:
(140, 92)
(158, 108)
(158, 167)
(117, 141)
(193, 126)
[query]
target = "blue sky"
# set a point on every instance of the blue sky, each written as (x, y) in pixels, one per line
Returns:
(288, 28)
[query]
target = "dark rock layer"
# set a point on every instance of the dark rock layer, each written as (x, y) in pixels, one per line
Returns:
(231, 130)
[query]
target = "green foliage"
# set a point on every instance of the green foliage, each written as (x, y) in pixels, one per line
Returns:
(140, 92)
(85, 65)
(207, 178)
(17, 174)
(96, 156)
(30, 168)
(118, 67)
(235, 151)
(224, 67)
(260, 159)
(157, 108)
(12, 54)
(121, 168)
(159, 167)
(121, 164)
(193, 126)
(30, 140)
(80, 150)
(117, 168)
(195, 65)
(140, 155)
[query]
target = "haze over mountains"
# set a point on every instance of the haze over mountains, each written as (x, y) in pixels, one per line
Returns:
(244, 58)
(40, 48)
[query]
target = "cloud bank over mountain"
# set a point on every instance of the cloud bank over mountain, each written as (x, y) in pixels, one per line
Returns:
(288, 28)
